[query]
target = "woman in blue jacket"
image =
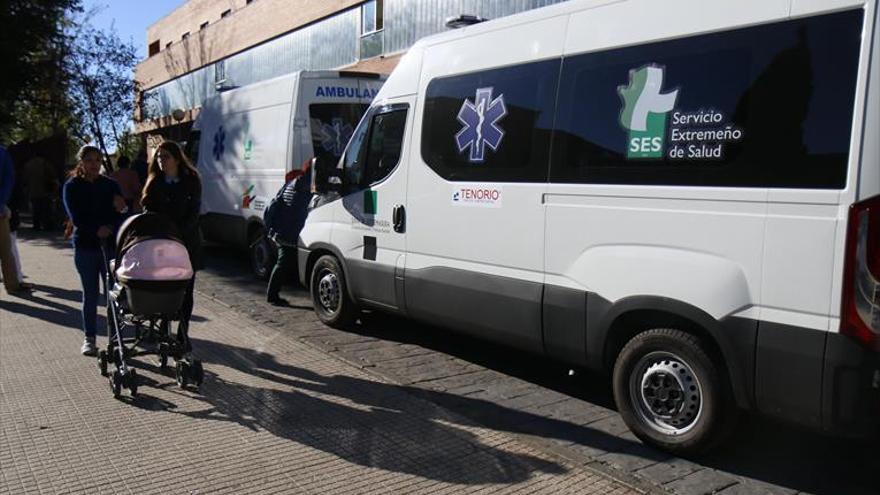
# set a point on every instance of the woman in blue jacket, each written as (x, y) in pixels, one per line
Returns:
(93, 203)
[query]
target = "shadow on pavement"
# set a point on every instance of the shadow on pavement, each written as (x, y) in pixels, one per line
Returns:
(761, 449)
(369, 423)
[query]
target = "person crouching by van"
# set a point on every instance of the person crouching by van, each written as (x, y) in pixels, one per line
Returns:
(93, 202)
(174, 189)
(284, 221)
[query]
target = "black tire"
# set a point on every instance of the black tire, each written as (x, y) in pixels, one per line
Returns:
(262, 254)
(102, 362)
(116, 384)
(329, 294)
(182, 374)
(672, 393)
(196, 372)
(163, 359)
(133, 383)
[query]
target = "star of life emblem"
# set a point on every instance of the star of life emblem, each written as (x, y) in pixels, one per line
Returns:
(480, 120)
(335, 136)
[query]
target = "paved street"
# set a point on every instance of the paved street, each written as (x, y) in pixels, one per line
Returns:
(392, 405)
(536, 400)
(275, 414)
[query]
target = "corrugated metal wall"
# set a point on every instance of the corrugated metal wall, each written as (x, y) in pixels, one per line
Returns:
(330, 43)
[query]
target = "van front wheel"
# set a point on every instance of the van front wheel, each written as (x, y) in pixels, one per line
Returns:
(671, 393)
(329, 292)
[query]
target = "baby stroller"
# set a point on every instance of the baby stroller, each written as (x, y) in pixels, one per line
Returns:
(147, 284)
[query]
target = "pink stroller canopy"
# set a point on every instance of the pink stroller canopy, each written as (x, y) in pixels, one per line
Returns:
(155, 259)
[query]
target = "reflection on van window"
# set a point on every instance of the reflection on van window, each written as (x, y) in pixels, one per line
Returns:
(332, 125)
(386, 140)
(492, 125)
(375, 148)
(766, 106)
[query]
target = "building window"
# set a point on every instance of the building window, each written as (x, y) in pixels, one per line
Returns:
(154, 48)
(168, 45)
(203, 26)
(219, 71)
(226, 13)
(371, 16)
(185, 35)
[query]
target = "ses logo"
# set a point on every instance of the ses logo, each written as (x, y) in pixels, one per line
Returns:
(702, 134)
(477, 195)
(645, 111)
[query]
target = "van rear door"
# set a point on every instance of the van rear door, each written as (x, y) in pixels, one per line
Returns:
(327, 111)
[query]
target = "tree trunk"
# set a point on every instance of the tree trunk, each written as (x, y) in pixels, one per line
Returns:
(96, 125)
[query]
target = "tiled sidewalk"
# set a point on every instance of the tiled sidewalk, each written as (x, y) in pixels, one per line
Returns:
(274, 415)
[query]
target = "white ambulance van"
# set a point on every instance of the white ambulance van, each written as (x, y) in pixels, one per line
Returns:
(683, 194)
(251, 139)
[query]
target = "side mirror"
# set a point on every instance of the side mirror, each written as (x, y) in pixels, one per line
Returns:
(325, 174)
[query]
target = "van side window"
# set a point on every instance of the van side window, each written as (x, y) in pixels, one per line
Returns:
(375, 147)
(386, 141)
(765, 106)
(492, 125)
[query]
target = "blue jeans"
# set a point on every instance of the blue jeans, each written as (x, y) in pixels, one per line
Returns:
(90, 265)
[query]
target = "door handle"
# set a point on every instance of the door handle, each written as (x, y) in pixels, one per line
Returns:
(398, 218)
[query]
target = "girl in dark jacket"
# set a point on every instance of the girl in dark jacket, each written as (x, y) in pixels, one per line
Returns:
(174, 189)
(93, 203)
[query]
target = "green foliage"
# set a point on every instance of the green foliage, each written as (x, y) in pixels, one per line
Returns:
(65, 76)
(32, 89)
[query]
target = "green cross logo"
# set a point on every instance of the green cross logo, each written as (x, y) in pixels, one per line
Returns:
(645, 110)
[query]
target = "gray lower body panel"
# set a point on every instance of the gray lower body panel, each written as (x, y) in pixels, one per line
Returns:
(498, 308)
(373, 283)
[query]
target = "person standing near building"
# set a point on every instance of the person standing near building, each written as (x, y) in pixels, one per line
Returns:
(39, 179)
(174, 189)
(285, 223)
(93, 203)
(7, 259)
(14, 205)
(129, 183)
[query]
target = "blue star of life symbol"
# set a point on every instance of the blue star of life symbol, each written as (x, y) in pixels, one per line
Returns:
(219, 146)
(335, 136)
(480, 120)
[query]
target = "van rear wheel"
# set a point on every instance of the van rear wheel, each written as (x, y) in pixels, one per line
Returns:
(671, 393)
(262, 254)
(329, 293)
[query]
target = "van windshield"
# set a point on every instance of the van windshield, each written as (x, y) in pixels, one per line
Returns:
(332, 125)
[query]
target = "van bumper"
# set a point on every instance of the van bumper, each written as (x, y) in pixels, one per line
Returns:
(851, 388)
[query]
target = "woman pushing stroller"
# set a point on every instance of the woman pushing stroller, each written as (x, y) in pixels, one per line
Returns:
(174, 189)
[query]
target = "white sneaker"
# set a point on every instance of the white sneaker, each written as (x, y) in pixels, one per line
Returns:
(88, 348)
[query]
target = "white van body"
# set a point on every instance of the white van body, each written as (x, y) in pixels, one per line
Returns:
(573, 179)
(254, 137)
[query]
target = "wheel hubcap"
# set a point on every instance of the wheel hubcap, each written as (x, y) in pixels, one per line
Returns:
(328, 292)
(667, 393)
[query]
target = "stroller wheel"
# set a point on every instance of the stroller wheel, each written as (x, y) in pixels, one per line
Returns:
(196, 373)
(102, 362)
(116, 384)
(163, 359)
(133, 383)
(182, 373)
